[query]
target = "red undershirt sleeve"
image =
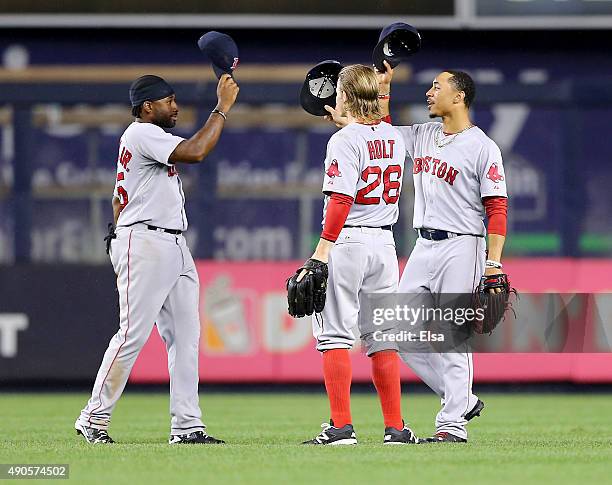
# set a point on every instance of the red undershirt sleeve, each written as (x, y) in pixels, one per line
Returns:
(338, 208)
(497, 213)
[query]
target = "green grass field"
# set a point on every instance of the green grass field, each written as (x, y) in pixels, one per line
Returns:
(524, 438)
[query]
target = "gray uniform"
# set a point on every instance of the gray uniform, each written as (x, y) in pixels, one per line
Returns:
(365, 162)
(157, 280)
(452, 173)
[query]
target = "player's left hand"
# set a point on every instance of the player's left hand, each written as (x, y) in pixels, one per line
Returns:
(493, 271)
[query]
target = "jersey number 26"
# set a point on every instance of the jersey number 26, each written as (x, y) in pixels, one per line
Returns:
(388, 185)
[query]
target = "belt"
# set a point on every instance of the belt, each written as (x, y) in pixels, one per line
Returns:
(438, 235)
(384, 228)
(435, 234)
(161, 229)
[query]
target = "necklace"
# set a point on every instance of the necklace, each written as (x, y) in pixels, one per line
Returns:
(448, 140)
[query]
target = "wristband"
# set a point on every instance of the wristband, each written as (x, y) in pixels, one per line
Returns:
(384, 96)
(493, 264)
(219, 112)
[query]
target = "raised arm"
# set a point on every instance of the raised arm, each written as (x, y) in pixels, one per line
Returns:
(384, 89)
(201, 144)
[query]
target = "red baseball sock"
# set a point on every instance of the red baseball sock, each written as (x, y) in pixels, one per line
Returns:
(386, 377)
(338, 374)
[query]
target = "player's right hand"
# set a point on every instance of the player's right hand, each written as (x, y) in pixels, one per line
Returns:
(227, 91)
(335, 117)
(384, 78)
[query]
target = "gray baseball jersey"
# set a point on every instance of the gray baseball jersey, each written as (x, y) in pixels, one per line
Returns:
(148, 185)
(366, 162)
(452, 173)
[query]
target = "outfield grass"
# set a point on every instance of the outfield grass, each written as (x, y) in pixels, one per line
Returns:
(523, 438)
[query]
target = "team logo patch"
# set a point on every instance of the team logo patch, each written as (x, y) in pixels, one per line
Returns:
(493, 174)
(235, 64)
(333, 170)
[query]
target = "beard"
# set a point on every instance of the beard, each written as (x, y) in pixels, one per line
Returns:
(164, 122)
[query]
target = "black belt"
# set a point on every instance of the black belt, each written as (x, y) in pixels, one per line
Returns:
(169, 231)
(438, 235)
(384, 228)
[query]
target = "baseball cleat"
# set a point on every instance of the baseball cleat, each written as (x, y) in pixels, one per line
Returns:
(476, 410)
(443, 437)
(197, 437)
(93, 435)
(405, 436)
(334, 436)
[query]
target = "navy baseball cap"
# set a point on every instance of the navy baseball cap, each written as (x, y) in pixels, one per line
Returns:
(319, 88)
(221, 50)
(396, 43)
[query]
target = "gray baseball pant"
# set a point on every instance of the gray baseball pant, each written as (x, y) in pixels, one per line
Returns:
(158, 285)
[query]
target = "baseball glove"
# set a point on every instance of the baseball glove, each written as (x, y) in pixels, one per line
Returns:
(493, 304)
(308, 294)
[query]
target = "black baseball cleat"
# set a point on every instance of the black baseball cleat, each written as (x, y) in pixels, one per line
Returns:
(405, 436)
(195, 438)
(443, 437)
(334, 436)
(476, 410)
(93, 435)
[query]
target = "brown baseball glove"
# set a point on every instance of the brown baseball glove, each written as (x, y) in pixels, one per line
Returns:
(491, 301)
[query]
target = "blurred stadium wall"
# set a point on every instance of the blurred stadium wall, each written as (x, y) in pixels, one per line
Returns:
(544, 95)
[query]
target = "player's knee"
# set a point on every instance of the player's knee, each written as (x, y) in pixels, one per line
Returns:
(372, 344)
(345, 343)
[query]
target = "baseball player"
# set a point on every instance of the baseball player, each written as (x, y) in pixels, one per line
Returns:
(362, 184)
(157, 279)
(459, 178)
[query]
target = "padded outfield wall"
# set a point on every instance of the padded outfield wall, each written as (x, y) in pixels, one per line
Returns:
(55, 323)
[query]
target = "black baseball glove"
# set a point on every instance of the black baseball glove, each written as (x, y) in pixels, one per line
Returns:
(110, 236)
(492, 304)
(308, 294)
